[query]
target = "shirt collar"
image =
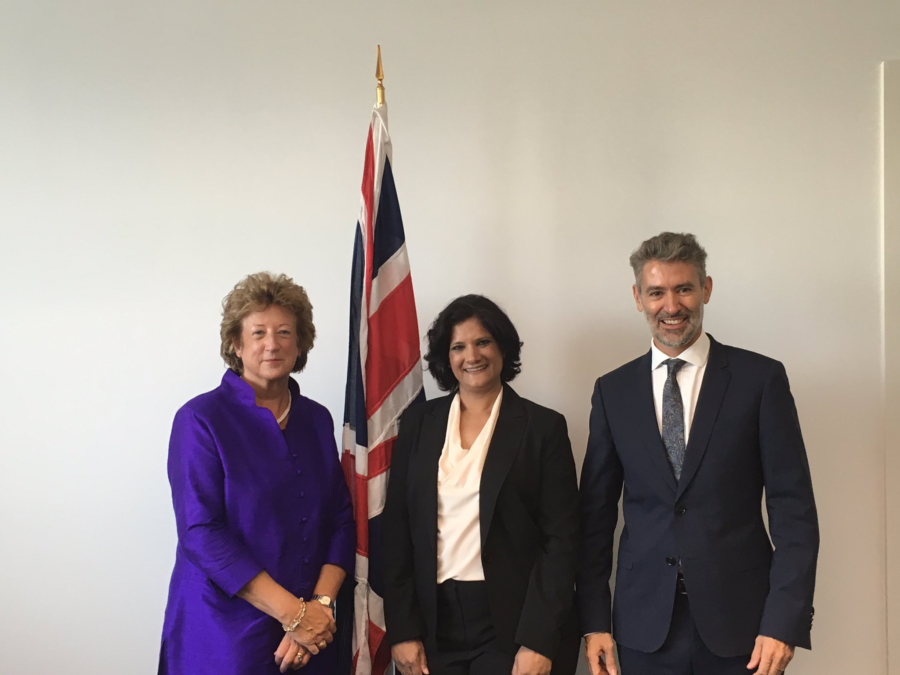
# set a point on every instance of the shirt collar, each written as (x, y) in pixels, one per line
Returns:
(243, 392)
(697, 354)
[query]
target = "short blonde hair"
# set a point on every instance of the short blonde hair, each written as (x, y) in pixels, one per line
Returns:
(256, 293)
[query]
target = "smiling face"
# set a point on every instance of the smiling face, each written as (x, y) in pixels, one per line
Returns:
(672, 298)
(475, 358)
(268, 345)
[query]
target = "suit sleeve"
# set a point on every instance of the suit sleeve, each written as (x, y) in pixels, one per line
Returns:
(601, 487)
(198, 495)
(793, 523)
(551, 587)
(402, 614)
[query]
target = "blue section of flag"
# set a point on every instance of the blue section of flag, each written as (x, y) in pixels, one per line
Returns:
(376, 578)
(354, 396)
(389, 236)
(343, 614)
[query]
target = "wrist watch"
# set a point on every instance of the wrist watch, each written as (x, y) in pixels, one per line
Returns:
(324, 600)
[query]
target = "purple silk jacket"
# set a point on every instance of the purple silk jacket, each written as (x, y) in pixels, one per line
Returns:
(249, 497)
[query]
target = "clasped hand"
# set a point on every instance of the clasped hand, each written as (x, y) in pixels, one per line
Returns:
(600, 652)
(314, 633)
(409, 657)
(529, 662)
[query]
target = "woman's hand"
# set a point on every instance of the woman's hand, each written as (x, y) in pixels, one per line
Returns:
(290, 655)
(409, 657)
(529, 662)
(600, 652)
(316, 629)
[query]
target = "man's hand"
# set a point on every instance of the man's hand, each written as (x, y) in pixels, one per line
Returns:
(409, 657)
(600, 652)
(770, 656)
(529, 662)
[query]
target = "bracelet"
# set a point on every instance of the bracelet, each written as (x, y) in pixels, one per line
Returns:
(292, 626)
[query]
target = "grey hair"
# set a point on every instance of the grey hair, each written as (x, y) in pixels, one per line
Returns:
(669, 247)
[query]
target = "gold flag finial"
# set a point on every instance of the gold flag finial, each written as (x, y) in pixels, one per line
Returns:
(379, 75)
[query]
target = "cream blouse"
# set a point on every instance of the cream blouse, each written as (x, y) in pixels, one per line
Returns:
(459, 488)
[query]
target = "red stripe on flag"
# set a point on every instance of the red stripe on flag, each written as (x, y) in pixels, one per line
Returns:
(393, 344)
(348, 464)
(361, 511)
(379, 649)
(368, 195)
(380, 458)
(379, 461)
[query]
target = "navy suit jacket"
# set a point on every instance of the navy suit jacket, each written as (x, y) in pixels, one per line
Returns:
(744, 440)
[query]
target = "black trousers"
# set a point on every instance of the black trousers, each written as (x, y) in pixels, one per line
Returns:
(467, 643)
(683, 652)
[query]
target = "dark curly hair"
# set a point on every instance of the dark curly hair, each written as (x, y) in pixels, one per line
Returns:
(495, 321)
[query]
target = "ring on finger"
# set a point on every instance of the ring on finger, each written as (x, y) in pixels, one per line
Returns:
(298, 657)
(322, 644)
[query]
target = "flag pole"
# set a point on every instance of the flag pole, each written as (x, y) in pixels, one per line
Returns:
(379, 75)
(379, 102)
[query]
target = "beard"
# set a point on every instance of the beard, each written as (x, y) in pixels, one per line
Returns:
(681, 337)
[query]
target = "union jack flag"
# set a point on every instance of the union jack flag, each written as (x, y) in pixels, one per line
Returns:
(384, 376)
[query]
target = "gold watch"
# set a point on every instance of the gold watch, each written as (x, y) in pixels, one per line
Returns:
(324, 600)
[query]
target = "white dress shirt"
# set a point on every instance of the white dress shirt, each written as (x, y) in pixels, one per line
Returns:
(459, 490)
(689, 379)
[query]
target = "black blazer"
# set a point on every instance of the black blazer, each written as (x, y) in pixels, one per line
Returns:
(529, 526)
(745, 437)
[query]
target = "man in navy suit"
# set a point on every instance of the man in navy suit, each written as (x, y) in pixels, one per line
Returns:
(696, 432)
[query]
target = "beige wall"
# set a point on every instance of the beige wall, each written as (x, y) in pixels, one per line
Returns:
(151, 153)
(892, 350)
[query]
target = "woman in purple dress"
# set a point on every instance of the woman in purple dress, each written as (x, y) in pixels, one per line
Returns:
(265, 524)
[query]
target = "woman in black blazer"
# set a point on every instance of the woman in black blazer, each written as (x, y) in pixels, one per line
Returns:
(481, 519)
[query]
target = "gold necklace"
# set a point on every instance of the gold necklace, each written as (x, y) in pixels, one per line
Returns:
(286, 410)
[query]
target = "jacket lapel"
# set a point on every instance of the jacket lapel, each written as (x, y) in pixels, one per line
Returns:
(501, 454)
(647, 424)
(712, 391)
(431, 443)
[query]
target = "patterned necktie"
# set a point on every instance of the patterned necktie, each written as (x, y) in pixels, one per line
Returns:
(673, 418)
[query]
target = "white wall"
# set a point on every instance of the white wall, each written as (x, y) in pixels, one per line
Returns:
(152, 153)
